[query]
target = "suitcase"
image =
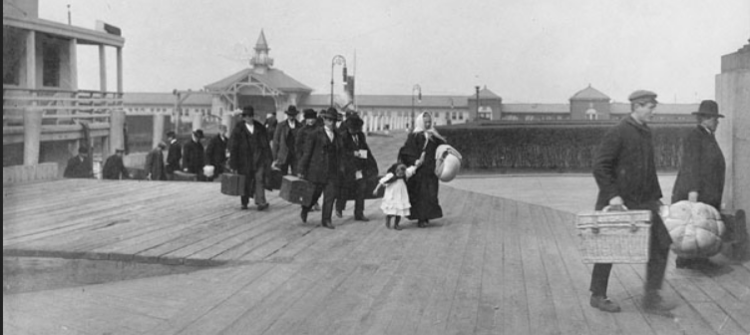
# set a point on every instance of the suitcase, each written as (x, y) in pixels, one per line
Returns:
(232, 184)
(185, 176)
(273, 179)
(296, 190)
(348, 192)
(614, 236)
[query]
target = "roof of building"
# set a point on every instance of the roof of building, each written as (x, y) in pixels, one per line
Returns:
(672, 109)
(536, 108)
(590, 93)
(400, 101)
(165, 99)
(274, 78)
(484, 93)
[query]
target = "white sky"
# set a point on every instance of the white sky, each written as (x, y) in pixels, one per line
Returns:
(525, 51)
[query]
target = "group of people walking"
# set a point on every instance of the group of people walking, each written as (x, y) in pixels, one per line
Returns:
(625, 172)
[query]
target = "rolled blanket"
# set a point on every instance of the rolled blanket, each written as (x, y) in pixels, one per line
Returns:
(447, 162)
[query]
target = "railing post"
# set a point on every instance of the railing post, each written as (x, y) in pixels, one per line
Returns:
(32, 136)
(158, 129)
(116, 131)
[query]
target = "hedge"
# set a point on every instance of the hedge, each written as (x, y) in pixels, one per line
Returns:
(551, 146)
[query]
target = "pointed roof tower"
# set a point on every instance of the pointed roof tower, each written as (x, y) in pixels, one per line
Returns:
(261, 62)
(590, 93)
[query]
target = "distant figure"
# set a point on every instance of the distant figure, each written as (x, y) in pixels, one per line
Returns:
(78, 166)
(250, 156)
(174, 155)
(155, 169)
(216, 152)
(193, 155)
(114, 168)
(701, 175)
(284, 141)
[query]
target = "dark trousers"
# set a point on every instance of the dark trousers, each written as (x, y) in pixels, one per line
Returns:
(291, 163)
(655, 268)
(330, 191)
(359, 188)
(254, 185)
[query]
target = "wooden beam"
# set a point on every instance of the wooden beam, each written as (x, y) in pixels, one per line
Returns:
(119, 70)
(102, 69)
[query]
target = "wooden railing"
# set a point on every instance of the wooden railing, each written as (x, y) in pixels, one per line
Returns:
(60, 107)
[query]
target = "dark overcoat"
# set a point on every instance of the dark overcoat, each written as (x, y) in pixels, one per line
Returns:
(702, 169)
(78, 167)
(284, 141)
(193, 157)
(320, 161)
(249, 152)
(624, 166)
(174, 154)
(155, 164)
(299, 141)
(216, 153)
(352, 164)
(114, 168)
(423, 186)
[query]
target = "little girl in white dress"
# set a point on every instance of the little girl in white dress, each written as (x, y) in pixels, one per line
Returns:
(396, 198)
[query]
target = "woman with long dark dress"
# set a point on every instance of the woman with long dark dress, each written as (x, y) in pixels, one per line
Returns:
(419, 151)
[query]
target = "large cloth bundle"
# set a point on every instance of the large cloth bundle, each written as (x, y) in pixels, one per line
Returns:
(696, 228)
(208, 171)
(447, 162)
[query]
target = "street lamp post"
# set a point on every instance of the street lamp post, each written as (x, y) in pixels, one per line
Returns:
(416, 88)
(337, 60)
(477, 89)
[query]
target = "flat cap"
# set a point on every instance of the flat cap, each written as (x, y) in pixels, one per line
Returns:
(641, 95)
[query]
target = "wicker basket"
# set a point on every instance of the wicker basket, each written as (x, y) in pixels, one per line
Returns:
(614, 236)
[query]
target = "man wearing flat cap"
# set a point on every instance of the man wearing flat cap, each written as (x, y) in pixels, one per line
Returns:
(358, 165)
(321, 166)
(625, 171)
(114, 168)
(193, 155)
(250, 156)
(702, 168)
(284, 141)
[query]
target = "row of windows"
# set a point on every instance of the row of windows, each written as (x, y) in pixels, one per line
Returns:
(437, 115)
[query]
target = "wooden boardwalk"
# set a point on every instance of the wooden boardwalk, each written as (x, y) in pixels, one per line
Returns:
(491, 266)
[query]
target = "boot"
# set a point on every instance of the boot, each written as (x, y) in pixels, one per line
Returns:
(655, 304)
(388, 221)
(395, 225)
(604, 304)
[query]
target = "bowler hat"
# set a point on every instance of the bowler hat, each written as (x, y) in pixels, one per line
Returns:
(354, 122)
(198, 133)
(708, 108)
(331, 113)
(83, 149)
(248, 111)
(642, 95)
(291, 110)
(310, 114)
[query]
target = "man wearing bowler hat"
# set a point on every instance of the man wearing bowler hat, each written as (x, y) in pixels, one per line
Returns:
(701, 174)
(114, 167)
(625, 172)
(250, 155)
(79, 166)
(284, 141)
(194, 156)
(320, 165)
(358, 165)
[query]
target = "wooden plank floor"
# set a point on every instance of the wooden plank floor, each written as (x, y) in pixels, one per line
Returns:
(491, 266)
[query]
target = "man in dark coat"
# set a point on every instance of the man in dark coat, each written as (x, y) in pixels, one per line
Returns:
(250, 156)
(284, 141)
(174, 155)
(625, 172)
(701, 175)
(311, 123)
(358, 165)
(193, 155)
(155, 163)
(320, 165)
(216, 152)
(79, 166)
(114, 168)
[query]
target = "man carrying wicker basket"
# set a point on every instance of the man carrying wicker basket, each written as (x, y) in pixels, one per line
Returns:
(625, 173)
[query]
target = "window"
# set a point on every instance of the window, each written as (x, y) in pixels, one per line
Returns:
(50, 64)
(460, 115)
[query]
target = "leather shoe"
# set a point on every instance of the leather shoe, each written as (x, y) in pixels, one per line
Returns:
(327, 224)
(339, 214)
(243, 207)
(263, 207)
(361, 218)
(655, 304)
(303, 216)
(604, 304)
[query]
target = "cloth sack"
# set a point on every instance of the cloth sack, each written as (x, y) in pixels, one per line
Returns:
(696, 228)
(447, 162)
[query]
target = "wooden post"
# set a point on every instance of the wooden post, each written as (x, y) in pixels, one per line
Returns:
(31, 60)
(158, 134)
(116, 131)
(102, 69)
(197, 121)
(32, 135)
(73, 63)
(119, 70)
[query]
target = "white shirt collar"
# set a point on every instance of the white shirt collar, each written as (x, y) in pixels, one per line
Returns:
(250, 127)
(291, 123)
